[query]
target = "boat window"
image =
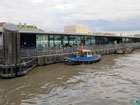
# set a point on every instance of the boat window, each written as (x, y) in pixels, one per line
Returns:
(89, 53)
(80, 54)
(93, 53)
(85, 53)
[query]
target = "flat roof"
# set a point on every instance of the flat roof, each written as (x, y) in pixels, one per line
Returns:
(57, 33)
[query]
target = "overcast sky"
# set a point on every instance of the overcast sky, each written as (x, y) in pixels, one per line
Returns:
(99, 15)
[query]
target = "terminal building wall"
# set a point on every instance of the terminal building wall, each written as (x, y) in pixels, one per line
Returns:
(28, 41)
(40, 41)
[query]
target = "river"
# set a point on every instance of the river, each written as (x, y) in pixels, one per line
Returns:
(115, 80)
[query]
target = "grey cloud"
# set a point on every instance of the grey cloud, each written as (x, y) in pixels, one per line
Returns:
(58, 13)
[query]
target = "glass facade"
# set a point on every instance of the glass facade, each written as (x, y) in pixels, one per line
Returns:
(53, 41)
(42, 41)
(100, 40)
(65, 41)
(71, 40)
(89, 40)
(77, 41)
(127, 40)
(45, 41)
(58, 41)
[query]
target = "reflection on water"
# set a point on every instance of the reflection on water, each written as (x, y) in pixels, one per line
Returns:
(113, 81)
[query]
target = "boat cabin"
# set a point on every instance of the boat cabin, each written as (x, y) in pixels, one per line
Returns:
(85, 53)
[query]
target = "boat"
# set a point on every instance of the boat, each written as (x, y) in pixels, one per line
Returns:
(124, 51)
(83, 57)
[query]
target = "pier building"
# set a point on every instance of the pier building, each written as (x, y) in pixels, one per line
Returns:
(52, 40)
(40, 48)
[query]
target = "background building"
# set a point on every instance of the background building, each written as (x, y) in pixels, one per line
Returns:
(1, 24)
(31, 28)
(25, 27)
(78, 28)
(137, 35)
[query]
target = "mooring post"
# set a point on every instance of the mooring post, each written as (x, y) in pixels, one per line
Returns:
(11, 51)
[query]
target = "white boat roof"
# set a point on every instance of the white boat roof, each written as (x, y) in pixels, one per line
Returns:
(85, 50)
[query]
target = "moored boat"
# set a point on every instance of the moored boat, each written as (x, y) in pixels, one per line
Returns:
(124, 51)
(83, 57)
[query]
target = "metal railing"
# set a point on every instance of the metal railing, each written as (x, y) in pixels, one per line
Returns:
(61, 50)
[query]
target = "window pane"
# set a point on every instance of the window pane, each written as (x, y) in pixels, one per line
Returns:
(92, 40)
(58, 40)
(65, 40)
(42, 41)
(51, 41)
(82, 39)
(76, 41)
(87, 40)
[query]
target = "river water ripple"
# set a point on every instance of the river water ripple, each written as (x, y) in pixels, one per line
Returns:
(113, 81)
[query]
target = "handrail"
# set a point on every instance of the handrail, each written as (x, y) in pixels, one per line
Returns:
(61, 50)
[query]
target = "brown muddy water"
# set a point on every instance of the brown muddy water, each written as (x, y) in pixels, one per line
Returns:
(113, 81)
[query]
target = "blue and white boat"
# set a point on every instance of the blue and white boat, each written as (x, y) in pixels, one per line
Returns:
(83, 57)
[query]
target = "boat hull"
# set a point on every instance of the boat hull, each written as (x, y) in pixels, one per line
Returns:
(69, 61)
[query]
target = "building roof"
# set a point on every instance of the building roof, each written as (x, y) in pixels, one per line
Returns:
(74, 34)
(1, 23)
(27, 26)
(30, 28)
(50, 33)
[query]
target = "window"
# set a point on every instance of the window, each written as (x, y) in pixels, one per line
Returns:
(51, 40)
(58, 40)
(42, 41)
(92, 40)
(100, 40)
(77, 40)
(88, 41)
(71, 40)
(65, 40)
(82, 39)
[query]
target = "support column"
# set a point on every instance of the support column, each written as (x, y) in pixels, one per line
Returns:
(11, 51)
